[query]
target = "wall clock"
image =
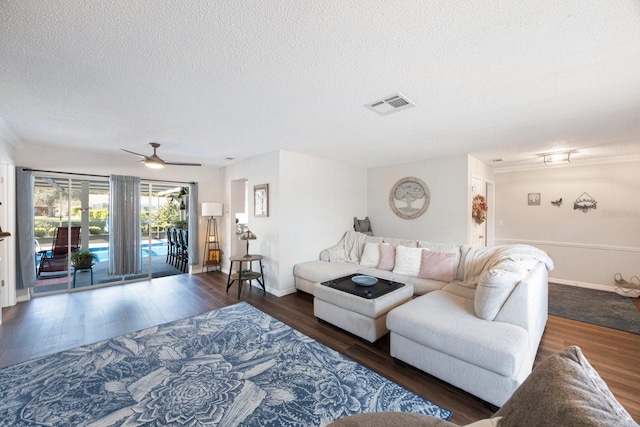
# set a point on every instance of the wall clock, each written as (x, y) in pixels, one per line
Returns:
(409, 198)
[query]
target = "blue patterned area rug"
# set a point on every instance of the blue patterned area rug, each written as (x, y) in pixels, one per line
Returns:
(232, 366)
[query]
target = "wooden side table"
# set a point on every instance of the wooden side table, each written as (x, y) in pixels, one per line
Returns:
(239, 276)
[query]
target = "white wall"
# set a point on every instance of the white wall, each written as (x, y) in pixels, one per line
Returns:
(312, 203)
(446, 220)
(258, 170)
(587, 248)
(318, 200)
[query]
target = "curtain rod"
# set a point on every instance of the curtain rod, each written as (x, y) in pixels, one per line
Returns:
(101, 176)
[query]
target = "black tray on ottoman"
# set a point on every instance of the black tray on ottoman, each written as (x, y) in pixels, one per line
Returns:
(345, 284)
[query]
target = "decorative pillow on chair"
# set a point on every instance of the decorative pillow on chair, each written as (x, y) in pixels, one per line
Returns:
(436, 266)
(370, 255)
(408, 261)
(387, 257)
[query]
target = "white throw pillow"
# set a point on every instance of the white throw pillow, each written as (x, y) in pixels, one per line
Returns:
(408, 261)
(370, 255)
(494, 288)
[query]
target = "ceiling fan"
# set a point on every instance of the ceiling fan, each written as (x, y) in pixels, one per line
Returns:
(155, 162)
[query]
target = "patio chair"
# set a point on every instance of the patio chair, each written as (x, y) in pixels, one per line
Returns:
(57, 259)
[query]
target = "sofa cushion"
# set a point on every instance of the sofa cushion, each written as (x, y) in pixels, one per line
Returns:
(321, 271)
(493, 290)
(370, 255)
(448, 323)
(404, 242)
(461, 291)
(422, 286)
(564, 390)
(387, 257)
(408, 261)
(437, 266)
(373, 239)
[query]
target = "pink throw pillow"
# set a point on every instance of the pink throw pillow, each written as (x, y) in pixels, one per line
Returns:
(387, 257)
(437, 266)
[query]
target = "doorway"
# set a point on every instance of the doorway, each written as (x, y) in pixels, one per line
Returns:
(490, 227)
(238, 210)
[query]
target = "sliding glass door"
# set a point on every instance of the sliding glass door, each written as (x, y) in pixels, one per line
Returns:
(70, 215)
(160, 213)
(70, 206)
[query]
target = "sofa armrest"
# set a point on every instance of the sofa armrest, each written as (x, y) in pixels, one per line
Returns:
(528, 305)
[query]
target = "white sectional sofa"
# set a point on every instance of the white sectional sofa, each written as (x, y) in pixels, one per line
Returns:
(344, 258)
(478, 314)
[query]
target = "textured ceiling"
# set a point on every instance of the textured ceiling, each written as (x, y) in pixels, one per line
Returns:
(216, 79)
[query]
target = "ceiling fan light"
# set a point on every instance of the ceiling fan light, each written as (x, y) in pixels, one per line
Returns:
(556, 158)
(153, 164)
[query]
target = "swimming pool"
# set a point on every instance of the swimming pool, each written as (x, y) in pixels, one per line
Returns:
(157, 249)
(102, 253)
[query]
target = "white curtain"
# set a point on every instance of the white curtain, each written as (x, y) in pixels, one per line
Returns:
(125, 235)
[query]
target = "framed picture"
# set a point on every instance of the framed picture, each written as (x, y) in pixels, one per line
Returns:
(534, 199)
(261, 200)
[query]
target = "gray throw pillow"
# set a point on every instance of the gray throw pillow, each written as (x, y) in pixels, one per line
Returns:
(564, 390)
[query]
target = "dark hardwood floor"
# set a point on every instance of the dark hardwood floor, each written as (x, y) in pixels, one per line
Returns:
(54, 323)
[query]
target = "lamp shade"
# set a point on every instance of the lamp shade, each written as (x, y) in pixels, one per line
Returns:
(248, 235)
(212, 209)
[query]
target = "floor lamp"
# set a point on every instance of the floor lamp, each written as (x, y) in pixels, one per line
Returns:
(211, 256)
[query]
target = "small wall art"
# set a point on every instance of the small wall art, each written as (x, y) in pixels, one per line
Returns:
(409, 198)
(534, 199)
(261, 200)
(585, 202)
(557, 203)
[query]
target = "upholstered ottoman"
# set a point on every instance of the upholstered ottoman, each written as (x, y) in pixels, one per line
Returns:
(363, 317)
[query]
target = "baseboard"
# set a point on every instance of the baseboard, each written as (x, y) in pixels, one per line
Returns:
(23, 298)
(582, 284)
(272, 291)
(280, 292)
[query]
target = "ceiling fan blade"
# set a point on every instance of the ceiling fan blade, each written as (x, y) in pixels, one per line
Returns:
(155, 160)
(182, 164)
(131, 152)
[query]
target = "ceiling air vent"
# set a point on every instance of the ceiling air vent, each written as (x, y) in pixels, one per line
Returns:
(390, 104)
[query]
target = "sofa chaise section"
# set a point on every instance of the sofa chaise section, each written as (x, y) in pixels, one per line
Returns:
(441, 334)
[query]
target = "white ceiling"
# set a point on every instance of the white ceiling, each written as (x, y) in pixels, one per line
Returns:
(210, 80)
